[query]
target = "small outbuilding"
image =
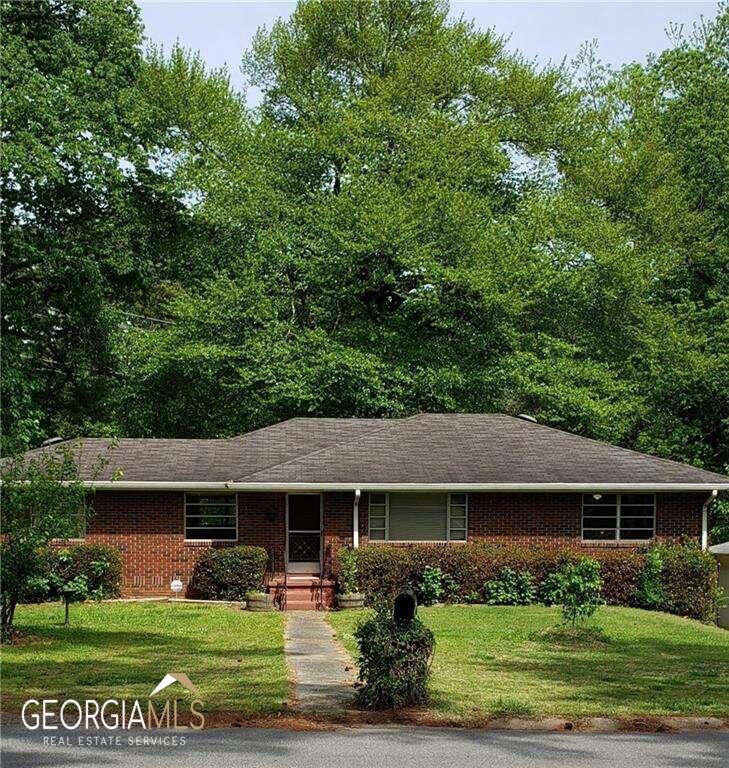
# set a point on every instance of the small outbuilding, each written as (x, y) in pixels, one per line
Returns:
(721, 553)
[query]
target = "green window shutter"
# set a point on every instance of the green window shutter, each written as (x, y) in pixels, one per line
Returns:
(418, 517)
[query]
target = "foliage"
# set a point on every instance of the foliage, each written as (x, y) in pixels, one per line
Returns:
(416, 218)
(689, 580)
(649, 590)
(394, 661)
(576, 587)
(510, 588)
(347, 574)
(621, 571)
(42, 499)
(430, 588)
(229, 573)
(97, 566)
(720, 529)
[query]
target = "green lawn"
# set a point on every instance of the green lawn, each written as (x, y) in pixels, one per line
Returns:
(504, 660)
(122, 650)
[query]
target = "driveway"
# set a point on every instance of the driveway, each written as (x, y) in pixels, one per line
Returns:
(379, 748)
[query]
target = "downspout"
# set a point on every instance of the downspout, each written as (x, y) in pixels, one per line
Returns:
(355, 519)
(705, 519)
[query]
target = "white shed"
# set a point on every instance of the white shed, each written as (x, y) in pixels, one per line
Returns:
(721, 553)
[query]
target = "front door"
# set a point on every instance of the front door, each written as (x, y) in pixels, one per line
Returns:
(303, 526)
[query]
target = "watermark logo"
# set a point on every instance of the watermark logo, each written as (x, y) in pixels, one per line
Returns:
(175, 677)
(167, 713)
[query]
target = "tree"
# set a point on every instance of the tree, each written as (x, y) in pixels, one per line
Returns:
(85, 223)
(42, 499)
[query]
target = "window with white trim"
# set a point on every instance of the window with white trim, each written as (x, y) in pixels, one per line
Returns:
(618, 516)
(211, 516)
(418, 516)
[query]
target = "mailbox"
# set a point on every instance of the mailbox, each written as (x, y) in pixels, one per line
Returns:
(405, 607)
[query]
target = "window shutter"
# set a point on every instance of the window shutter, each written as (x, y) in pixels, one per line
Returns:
(418, 516)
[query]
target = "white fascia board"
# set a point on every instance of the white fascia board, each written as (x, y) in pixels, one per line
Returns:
(131, 485)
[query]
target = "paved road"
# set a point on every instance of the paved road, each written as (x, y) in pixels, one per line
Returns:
(382, 748)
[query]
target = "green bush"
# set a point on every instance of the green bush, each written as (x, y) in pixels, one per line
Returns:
(229, 573)
(649, 590)
(95, 566)
(576, 587)
(347, 571)
(394, 661)
(430, 589)
(628, 576)
(620, 570)
(510, 588)
(689, 580)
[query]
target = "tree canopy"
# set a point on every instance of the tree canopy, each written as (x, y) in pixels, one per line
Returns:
(414, 218)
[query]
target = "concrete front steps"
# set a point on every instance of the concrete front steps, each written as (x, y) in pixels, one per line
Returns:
(302, 592)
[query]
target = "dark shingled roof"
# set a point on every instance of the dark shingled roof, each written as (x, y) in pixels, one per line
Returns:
(427, 449)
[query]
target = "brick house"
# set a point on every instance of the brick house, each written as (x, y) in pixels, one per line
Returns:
(307, 486)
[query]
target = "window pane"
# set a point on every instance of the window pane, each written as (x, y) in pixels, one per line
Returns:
(458, 499)
(590, 511)
(418, 516)
(458, 535)
(600, 522)
(211, 533)
(637, 534)
(377, 535)
(605, 499)
(378, 498)
(194, 521)
(637, 498)
(304, 512)
(599, 535)
(195, 498)
(635, 522)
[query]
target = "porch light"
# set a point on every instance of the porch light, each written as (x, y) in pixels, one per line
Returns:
(597, 496)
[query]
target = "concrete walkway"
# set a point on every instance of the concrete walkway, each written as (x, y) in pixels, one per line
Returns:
(322, 671)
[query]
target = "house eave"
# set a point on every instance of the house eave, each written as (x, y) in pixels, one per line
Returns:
(132, 485)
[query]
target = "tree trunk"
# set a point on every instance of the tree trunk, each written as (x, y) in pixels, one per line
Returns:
(66, 622)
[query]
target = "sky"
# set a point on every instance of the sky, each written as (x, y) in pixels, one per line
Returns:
(545, 31)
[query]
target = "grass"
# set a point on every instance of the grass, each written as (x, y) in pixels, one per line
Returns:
(492, 660)
(122, 650)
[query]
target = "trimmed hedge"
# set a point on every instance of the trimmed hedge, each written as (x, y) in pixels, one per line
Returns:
(688, 577)
(229, 573)
(101, 565)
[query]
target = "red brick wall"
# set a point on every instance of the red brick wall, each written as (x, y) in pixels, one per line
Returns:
(148, 527)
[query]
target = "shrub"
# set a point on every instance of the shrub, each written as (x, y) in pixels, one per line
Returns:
(510, 588)
(347, 560)
(689, 580)
(649, 590)
(394, 661)
(101, 565)
(430, 588)
(95, 566)
(576, 587)
(229, 573)
(620, 571)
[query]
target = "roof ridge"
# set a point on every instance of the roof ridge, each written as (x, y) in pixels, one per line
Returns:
(614, 447)
(390, 422)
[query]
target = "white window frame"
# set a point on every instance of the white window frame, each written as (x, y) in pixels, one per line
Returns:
(387, 538)
(618, 520)
(184, 517)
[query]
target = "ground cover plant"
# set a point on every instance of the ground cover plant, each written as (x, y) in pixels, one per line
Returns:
(122, 650)
(518, 660)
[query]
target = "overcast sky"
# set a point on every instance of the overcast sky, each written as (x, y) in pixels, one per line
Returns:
(625, 31)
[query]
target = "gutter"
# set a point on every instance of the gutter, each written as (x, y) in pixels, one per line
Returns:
(705, 519)
(133, 485)
(355, 519)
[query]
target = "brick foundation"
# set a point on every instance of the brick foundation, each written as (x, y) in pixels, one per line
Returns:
(148, 527)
